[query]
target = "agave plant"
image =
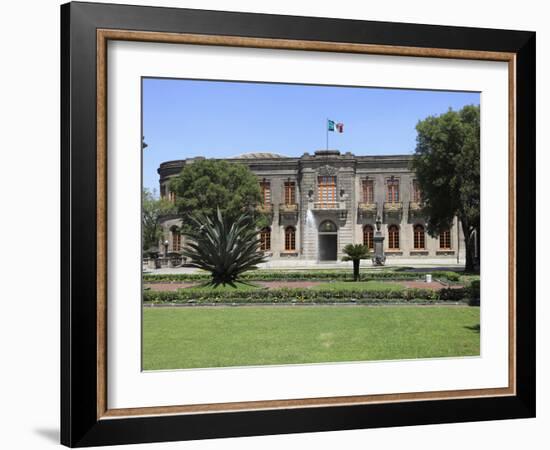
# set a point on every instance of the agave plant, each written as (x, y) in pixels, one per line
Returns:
(223, 247)
(355, 253)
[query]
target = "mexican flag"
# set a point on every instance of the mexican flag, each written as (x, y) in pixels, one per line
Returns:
(333, 126)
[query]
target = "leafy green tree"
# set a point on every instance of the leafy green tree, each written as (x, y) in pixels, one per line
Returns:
(224, 247)
(151, 210)
(446, 163)
(355, 253)
(206, 185)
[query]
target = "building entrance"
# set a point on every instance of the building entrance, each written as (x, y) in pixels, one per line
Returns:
(328, 241)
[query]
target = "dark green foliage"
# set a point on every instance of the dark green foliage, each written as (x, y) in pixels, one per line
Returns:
(446, 163)
(224, 247)
(474, 293)
(355, 253)
(475, 287)
(151, 210)
(203, 186)
(265, 275)
(299, 295)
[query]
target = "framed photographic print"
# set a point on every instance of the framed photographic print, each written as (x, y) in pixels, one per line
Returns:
(276, 224)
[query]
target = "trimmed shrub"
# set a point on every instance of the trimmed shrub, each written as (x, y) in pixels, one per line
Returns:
(474, 293)
(294, 295)
(450, 276)
(261, 275)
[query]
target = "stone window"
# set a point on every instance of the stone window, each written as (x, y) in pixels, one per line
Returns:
(392, 190)
(368, 235)
(290, 238)
(416, 194)
(290, 192)
(265, 239)
(393, 237)
(445, 240)
(419, 237)
(172, 196)
(327, 190)
(368, 191)
(162, 191)
(265, 188)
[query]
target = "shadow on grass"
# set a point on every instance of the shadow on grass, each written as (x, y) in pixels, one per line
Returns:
(475, 328)
(403, 269)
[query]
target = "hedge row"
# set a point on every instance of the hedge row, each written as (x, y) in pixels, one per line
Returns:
(294, 295)
(321, 301)
(260, 275)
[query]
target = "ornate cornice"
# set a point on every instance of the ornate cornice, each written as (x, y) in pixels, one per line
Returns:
(327, 171)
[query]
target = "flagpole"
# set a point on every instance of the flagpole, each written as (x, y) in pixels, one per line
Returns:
(326, 126)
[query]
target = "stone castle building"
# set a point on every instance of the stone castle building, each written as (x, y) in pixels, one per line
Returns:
(319, 203)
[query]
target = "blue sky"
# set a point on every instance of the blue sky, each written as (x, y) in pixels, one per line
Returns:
(186, 118)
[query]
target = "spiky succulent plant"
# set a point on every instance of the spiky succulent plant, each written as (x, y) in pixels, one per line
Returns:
(225, 248)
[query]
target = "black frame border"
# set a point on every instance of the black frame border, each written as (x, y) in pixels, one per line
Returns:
(79, 424)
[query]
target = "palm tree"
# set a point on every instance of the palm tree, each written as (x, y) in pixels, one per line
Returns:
(224, 248)
(355, 253)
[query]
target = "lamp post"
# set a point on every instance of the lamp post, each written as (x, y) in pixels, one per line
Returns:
(166, 249)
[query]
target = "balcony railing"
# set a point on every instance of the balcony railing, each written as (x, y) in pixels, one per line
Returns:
(288, 211)
(266, 208)
(288, 207)
(416, 209)
(367, 206)
(329, 206)
(390, 207)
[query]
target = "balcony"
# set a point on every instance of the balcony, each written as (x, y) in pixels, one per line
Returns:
(288, 211)
(329, 206)
(266, 209)
(338, 208)
(393, 207)
(367, 209)
(288, 207)
(415, 209)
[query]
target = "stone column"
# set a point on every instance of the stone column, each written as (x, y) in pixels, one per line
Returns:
(379, 258)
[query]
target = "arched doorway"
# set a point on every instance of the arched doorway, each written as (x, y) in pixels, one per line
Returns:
(328, 241)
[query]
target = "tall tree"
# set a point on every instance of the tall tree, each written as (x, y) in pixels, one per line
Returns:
(151, 210)
(206, 185)
(446, 162)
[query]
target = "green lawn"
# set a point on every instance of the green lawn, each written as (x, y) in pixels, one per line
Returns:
(359, 285)
(177, 338)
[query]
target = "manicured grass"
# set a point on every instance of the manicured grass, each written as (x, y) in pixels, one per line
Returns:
(359, 285)
(191, 337)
